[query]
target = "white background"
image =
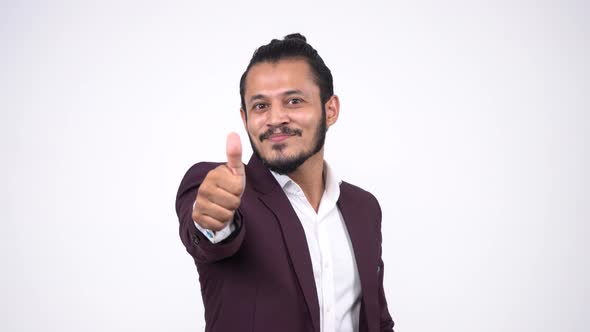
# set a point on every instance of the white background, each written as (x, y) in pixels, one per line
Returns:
(468, 120)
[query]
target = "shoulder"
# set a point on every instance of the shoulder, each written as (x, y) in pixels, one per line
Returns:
(365, 205)
(359, 194)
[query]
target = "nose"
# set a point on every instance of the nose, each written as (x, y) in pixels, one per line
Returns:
(277, 115)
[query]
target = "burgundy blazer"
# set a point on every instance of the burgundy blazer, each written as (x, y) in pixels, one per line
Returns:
(261, 278)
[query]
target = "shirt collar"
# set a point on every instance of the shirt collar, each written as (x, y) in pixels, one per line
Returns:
(331, 189)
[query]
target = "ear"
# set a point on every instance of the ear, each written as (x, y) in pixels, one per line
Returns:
(332, 110)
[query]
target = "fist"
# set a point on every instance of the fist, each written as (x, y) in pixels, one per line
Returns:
(220, 193)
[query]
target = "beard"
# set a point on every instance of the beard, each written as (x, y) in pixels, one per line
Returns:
(288, 164)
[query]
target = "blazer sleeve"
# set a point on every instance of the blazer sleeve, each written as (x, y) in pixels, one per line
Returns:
(195, 242)
(386, 320)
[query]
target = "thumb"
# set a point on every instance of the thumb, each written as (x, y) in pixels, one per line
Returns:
(234, 154)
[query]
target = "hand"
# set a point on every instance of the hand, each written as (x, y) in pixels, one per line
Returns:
(220, 193)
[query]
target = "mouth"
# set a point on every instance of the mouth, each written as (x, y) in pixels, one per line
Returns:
(279, 134)
(277, 138)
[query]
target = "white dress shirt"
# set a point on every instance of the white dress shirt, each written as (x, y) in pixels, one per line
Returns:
(332, 257)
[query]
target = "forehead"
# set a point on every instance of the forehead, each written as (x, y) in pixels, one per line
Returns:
(268, 78)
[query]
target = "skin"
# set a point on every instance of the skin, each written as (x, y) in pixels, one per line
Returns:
(284, 93)
(277, 94)
(220, 192)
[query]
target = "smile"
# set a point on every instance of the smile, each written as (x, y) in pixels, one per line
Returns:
(278, 138)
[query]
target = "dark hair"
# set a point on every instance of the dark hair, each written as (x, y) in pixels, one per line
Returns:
(292, 46)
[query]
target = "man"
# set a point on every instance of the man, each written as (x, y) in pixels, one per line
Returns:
(281, 244)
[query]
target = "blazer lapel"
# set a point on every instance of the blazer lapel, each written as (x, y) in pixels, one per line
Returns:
(272, 195)
(360, 236)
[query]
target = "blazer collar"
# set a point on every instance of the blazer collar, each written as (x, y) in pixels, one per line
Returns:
(259, 177)
(272, 195)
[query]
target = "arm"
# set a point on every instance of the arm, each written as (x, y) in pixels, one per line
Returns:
(385, 318)
(195, 242)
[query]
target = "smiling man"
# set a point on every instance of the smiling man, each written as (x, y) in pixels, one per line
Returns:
(281, 244)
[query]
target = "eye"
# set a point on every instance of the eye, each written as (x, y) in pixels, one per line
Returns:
(295, 101)
(259, 106)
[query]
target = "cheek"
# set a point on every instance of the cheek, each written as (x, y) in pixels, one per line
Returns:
(306, 121)
(255, 125)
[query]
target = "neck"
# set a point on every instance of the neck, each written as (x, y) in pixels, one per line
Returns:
(309, 177)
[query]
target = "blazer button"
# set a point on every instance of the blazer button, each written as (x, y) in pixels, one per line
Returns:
(195, 239)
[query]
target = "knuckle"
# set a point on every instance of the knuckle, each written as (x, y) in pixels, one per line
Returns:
(235, 187)
(200, 221)
(197, 216)
(217, 227)
(203, 192)
(211, 178)
(227, 215)
(234, 204)
(206, 223)
(219, 216)
(206, 193)
(219, 171)
(199, 203)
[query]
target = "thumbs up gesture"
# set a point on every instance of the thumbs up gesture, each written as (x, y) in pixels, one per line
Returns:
(220, 192)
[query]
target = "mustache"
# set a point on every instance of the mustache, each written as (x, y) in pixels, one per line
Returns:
(284, 130)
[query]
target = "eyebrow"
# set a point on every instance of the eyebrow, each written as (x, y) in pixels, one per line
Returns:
(286, 93)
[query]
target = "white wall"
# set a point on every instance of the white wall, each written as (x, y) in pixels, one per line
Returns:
(468, 120)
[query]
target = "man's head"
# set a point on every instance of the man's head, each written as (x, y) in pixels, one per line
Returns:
(287, 103)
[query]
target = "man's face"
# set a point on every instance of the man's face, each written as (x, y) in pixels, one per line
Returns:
(286, 121)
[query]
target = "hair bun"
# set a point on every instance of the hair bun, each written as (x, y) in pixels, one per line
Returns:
(296, 36)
